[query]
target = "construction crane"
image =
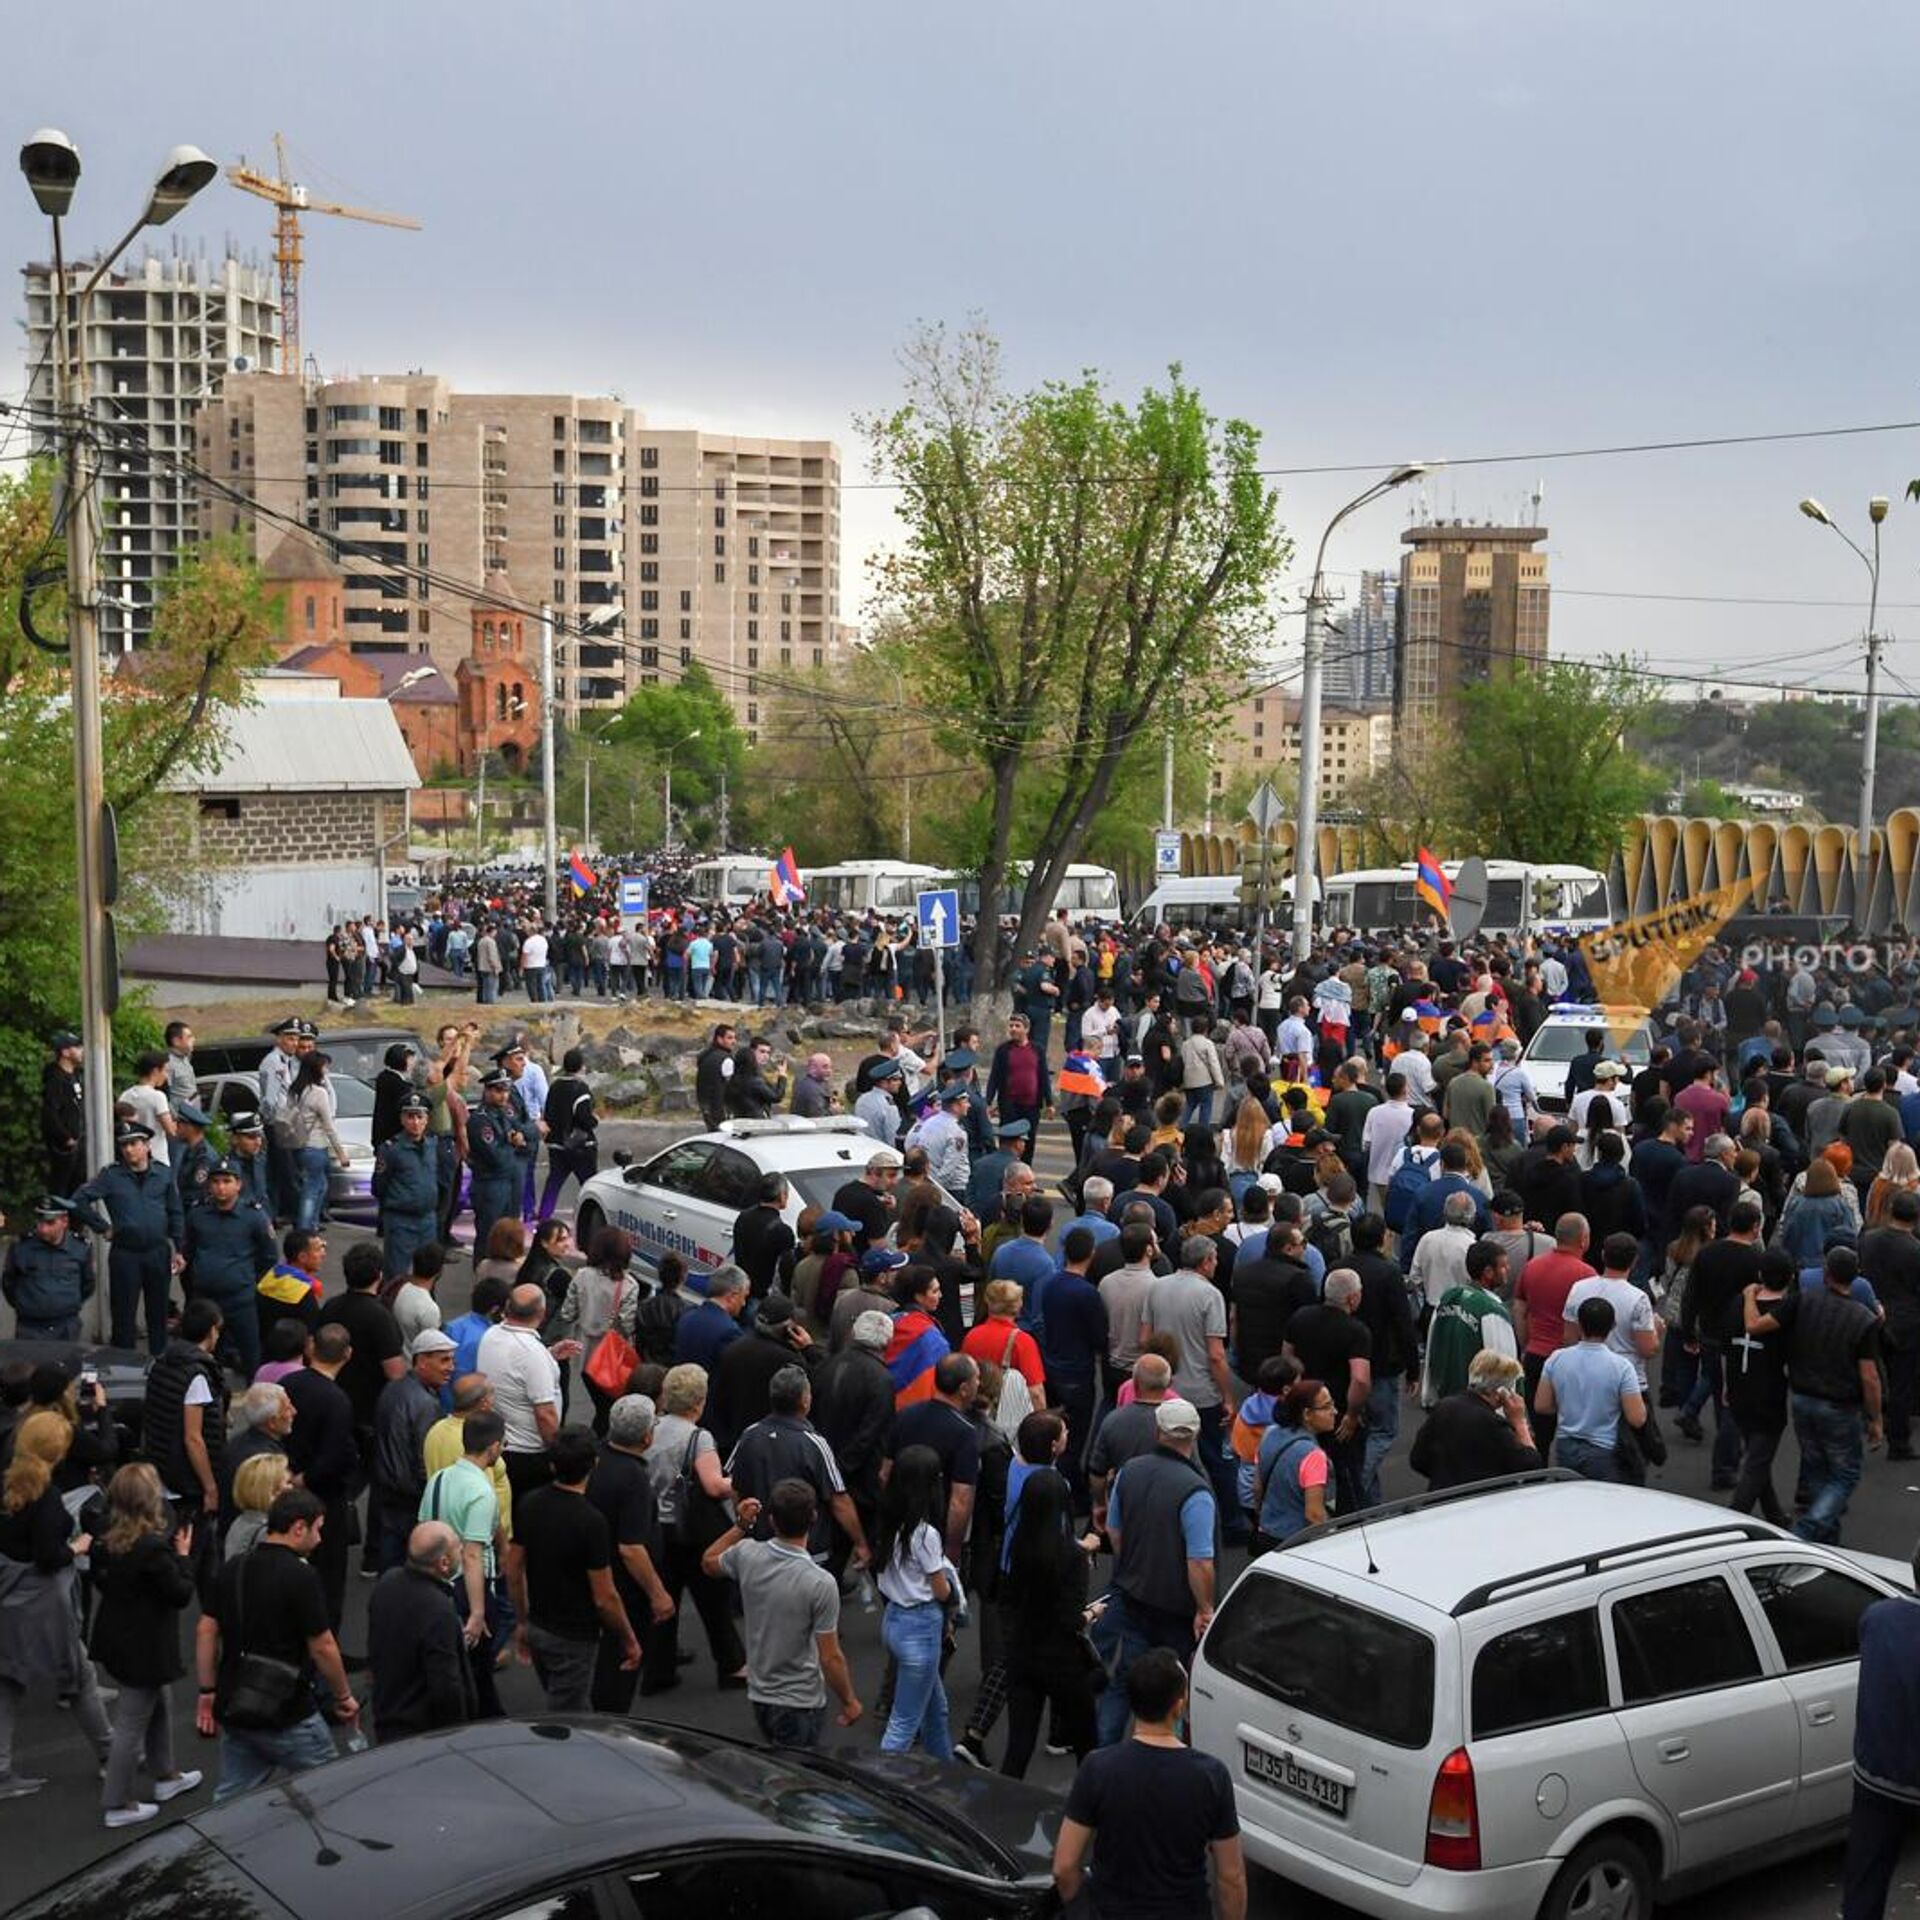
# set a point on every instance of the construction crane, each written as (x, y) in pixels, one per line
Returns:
(290, 200)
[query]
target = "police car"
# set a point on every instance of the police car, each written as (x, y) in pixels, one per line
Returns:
(1561, 1039)
(686, 1199)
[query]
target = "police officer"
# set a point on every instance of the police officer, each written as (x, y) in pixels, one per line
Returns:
(138, 1203)
(529, 1104)
(276, 1088)
(63, 1114)
(247, 1150)
(49, 1277)
(406, 1182)
(228, 1248)
(494, 1144)
(191, 1155)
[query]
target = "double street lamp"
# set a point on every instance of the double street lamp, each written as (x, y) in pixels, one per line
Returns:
(666, 785)
(51, 164)
(1306, 815)
(1870, 733)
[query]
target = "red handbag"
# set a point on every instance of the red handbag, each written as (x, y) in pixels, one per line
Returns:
(611, 1363)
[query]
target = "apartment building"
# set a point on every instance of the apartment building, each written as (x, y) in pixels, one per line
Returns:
(161, 337)
(1263, 735)
(1362, 647)
(676, 545)
(1474, 601)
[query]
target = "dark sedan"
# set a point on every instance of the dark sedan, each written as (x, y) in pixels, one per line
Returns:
(122, 1373)
(582, 1818)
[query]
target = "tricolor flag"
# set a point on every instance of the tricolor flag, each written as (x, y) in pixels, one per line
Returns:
(1428, 1015)
(1080, 1073)
(784, 881)
(1430, 882)
(917, 1347)
(581, 876)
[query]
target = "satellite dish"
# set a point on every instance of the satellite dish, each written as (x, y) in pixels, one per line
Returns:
(1468, 904)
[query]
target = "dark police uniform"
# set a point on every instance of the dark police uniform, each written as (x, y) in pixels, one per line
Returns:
(254, 1188)
(406, 1180)
(493, 1164)
(46, 1286)
(142, 1210)
(227, 1250)
(191, 1159)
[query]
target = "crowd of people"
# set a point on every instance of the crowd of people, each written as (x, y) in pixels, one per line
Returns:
(1306, 1200)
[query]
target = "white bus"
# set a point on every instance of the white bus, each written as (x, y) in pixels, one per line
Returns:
(1521, 898)
(1087, 892)
(731, 880)
(870, 886)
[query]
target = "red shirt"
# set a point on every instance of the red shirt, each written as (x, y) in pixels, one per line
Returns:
(988, 1343)
(1708, 1107)
(1020, 1080)
(1545, 1282)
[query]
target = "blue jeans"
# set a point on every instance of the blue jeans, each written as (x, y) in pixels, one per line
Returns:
(789, 1726)
(1224, 1472)
(1832, 1447)
(1121, 1635)
(251, 1756)
(1383, 1429)
(702, 980)
(913, 1635)
(486, 988)
(1584, 1458)
(310, 1165)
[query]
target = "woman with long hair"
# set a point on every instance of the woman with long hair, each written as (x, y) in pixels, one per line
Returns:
(1476, 1167)
(1821, 1204)
(916, 1581)
(1245, 1147)
(506, 1248)
(1679, 1369)
(309, 1119)
(546, 1263)
(1899, 1173)
(39, 1628)
(1202, 1170)
(602, 1299)
(143, 1572)
(259, 1481)
(1502, 1150)
(1042, 1601)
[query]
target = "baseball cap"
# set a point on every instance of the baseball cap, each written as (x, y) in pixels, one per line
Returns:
(882, 1260)
(1177, 1416)
(833, 1221)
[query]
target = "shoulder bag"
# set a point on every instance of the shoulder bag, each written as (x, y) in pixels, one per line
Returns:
(263, 1687)
(611, 1363)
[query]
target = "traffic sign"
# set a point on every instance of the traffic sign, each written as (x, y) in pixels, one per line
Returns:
(939, 915)
(635, 889)
(1166, 852)
(1266, 809)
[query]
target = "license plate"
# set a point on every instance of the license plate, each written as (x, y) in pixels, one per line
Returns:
(1285, 1774)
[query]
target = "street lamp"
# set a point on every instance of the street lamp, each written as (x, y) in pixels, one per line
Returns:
(1870, 733)
(51, 165)
(667, 784)
(1307, 808)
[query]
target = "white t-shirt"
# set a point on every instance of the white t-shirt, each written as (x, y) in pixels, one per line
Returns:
(148, 1104)
(907, 1579)
(199, 1394)
(416, 1310)
(1632, 1313)
(524, 1375)
(533, 950)
(1100, 1031)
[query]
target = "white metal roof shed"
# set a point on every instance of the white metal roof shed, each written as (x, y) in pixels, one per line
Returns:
(310, 746)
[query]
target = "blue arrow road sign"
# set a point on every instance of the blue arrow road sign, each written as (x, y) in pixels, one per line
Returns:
(939, 917)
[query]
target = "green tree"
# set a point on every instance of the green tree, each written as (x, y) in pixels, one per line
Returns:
(1076, 575)
(213, 621)
(689, 719)
(1541, 766)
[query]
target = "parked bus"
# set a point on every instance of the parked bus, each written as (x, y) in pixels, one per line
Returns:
(1521, 898)
(1087, 892)
(731, 880)
(870, 886)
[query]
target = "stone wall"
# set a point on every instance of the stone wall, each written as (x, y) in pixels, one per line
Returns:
(296, 829)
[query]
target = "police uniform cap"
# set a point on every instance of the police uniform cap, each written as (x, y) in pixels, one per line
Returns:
(246, 1124)
(223, 1170)
(496, 1077)
(291, 1024)
(505, 1053)
(50, 1206)
(192, 1115)
(1014, 1129)
(1852, 1017)
(130, 1130)
(960, 1060)
(414, 1104)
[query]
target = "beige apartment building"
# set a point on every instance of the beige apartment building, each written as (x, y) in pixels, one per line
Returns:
(1474, 601)
(1263, 736)
(666, 545)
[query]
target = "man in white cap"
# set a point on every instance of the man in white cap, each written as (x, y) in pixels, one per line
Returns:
(1164, 1524)
(1607, 1075)
(402, 1418)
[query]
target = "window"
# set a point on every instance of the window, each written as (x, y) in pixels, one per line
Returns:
(753, 574)
(719, 573)
(649, 600)
(1327, 1657)
(649, 656)
(649, 629)
(753, 629)
(731, 1180)
(678, 1170)
(559, 426)
(745, 1885)
(559, 465)
(649, 543)
(786, 656)
(1813, 1611)
(686, 599)
(419, 419)
(753, 546)
(423, 621)
(310, 612)
(753, 656)
(686, 653)
(393, 420)
(719, 516)
(819, 657)
(559, 526)
(649, 516)
(220, 807)
(686, 633)
(649, 456)
(1548, 1670)
(650, 570)
(719, 543)
(753, 603)
(559, 559)
(649, 486)
(1681, 1639)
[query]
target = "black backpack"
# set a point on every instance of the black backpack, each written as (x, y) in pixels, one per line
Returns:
(656, 1326)
(1331, 1235)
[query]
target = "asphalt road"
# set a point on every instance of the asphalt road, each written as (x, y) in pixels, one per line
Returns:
(58, 1830)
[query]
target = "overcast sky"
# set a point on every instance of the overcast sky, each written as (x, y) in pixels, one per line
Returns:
(1378, 231)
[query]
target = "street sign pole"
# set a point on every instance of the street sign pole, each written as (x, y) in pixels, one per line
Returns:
(940, 997)
(937, 916)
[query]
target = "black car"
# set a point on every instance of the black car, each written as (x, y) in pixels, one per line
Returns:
(122, 1375)
(583, 1818)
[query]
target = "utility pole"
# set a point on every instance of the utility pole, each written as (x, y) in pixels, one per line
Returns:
(549, 835)
(726, 816)
(586, 802)
(1166, 783)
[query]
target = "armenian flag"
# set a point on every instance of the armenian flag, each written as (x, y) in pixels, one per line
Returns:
(783, 882)
(1430, 882)
(917, 1347)
(580, 876)
(1428, 1015)
(1080, 1073)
